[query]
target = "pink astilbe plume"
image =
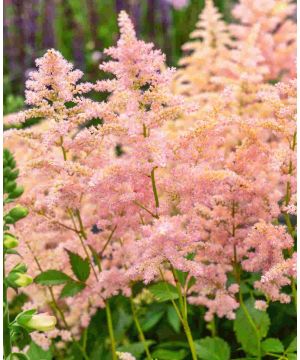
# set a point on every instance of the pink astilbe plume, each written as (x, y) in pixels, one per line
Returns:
(277, 38)
(210, 46)
(141, 102)
(55, 171)
(225, 194)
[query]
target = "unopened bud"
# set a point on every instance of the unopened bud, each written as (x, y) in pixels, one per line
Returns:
(17, 213)
(17, 192)
(16, 279)
(10, 241)
(41, 322)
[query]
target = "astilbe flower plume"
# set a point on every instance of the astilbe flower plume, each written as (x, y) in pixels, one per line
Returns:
(177, 194)
(210, 46)
(277, 37)
(75, 179)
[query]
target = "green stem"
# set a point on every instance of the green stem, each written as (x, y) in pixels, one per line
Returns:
(213, 327)
(178, 287)
(108, 240)
(287, 216)
(110, 330)
(6, 330)
(243, 306)
(184, 317)
(190, 339)
(147, 210)
(139, 329)
(280, 357)
(82, 236)
(294, 292)
(109, 318)
(62, 148)
(154, 188)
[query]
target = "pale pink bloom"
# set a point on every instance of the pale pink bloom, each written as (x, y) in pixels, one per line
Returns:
(125, 356)
(41, 339)
(261, 305)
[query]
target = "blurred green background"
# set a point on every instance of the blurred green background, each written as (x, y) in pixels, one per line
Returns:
(81, 29)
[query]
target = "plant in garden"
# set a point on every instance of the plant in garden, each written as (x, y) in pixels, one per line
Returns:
(134, 201)
(16, 332)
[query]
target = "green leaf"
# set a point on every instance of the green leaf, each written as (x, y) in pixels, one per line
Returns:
(35, 352)
(151, 319)
(293, 346)
(172, 345)
(272, 345)
(80, 266)
(164, 354)
(12, 252)
(71, 289)
(192, 281)
(17, 356)
(52, 277)
(182, 276)
(173, 319)
(244, 328)
(136, 349)
(212, 349)
(163, 291)
(291, 356)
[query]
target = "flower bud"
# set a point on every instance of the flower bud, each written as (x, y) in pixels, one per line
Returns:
(16, 279)
(10, 241)
(13, 174)
(17, 213)
(41, 322)
(10, 186)
(6, 171)
(18, 191)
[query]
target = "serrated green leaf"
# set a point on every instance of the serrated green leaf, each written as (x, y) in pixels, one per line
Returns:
(293, 346)
(212, 349)
(36, 352)
(272, 345)
(245, 332)
(151, 319)
(173, 319)
(163, 291)
(71, 289)
(80, 266)
(164, 354)
(52, 277)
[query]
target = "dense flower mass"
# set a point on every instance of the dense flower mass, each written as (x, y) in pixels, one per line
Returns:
(188, 171)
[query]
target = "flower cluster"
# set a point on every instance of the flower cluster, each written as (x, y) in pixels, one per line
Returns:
(190, 171)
